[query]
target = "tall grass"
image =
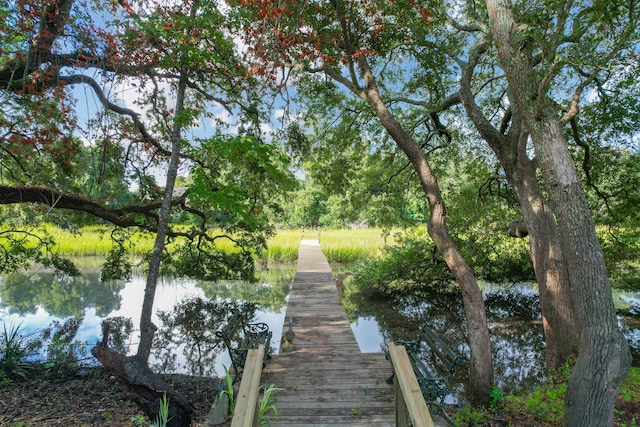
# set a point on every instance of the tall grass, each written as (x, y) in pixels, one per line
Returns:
(96, 241)
(345, 246)
(341, 246)
(283, 247)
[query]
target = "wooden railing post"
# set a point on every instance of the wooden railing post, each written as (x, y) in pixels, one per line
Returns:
(411, 408)
(246, 411)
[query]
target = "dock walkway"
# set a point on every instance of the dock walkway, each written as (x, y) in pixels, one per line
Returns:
(325, 379)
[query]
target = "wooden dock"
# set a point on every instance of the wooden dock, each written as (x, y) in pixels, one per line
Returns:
(325, 379)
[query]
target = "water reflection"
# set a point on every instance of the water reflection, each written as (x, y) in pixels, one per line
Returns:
(186, 342)
(514, 321)
(35, 301)
(189, 329)
(60, 296)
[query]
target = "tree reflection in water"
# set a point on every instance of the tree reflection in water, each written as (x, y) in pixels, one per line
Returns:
(59, 295)
(515, 328)
(190, 329)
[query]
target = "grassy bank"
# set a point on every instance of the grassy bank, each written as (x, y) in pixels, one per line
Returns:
(544, 405)
(345, 246)
(96, 241)
(340, 246)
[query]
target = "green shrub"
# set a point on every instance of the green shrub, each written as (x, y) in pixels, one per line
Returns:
(411, 266)
(15, 349)
(630, 390)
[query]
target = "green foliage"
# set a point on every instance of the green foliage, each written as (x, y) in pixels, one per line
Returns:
(15, 348)
(247, 175)
(546, 402)
(139, 421)
(21, 246)
(496, 396)
(630, 390)
(163, 414)
(621, 248)
(117, 265)
(228, 390)
(412, 265)
(266, 404)
(468, 416)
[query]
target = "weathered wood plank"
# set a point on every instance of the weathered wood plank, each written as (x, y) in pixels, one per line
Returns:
(245, 414)
(326, 381)
(408, 391)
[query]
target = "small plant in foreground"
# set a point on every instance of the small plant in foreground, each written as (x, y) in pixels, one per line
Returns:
(139, 421)
(467, 416)
(496, 396)
(229, 390)
(15, 348)
(163, 416)
(267, 404)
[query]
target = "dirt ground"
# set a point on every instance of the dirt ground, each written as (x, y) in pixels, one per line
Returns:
(101, 400)
(96, 400)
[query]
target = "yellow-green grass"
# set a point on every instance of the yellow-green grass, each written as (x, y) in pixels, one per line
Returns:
(339, 245)
(283, 247)
(344, 246)
(96, 241)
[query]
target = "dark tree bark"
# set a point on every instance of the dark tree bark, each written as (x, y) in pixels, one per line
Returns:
(556, 302)
(147, 388)
(481, 367)
(126, 216)
(604, 357)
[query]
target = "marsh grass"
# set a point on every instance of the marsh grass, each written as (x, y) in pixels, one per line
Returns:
(339, 245)
(345, 246)
(283, 247)
(96, 241)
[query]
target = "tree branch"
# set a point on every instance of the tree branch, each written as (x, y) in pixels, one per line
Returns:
(59, 200)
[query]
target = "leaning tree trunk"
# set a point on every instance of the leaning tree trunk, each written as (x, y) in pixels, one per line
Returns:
(604, 356)
(146, 386)
(481, 367)
(509, 145)
(561, 328)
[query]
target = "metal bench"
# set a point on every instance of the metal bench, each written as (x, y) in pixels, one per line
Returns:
(434, 364)
(240, 337)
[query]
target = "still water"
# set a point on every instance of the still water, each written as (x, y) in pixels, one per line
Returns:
(34, 301)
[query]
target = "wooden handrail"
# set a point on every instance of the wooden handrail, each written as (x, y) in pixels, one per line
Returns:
(246, 411)
(411, 408)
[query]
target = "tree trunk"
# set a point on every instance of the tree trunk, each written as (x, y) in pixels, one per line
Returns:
(147, 328)
(481, 367)
(145, 384)
(561, 328)
(556, 302)
(604, 356)
(147, 388)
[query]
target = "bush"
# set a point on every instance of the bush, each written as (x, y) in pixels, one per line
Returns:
(15, 349)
